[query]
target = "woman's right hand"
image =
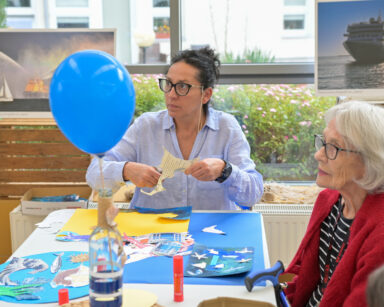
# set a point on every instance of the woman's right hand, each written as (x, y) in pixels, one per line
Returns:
(141, 175)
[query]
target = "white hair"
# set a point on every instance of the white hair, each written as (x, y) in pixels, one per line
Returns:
(361, 126)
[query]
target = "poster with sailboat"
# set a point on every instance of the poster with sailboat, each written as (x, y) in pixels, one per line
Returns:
(5, 92)
(28, 59)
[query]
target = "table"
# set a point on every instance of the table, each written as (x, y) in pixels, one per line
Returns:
(42, 241)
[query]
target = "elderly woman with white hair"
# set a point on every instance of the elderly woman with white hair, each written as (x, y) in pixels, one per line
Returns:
(344, 241)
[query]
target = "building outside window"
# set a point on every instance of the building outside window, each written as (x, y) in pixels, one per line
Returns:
(18, 3)
(294, 22)
(72, 22)
(72, 3)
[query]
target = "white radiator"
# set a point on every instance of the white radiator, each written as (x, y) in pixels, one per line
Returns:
(285, 225)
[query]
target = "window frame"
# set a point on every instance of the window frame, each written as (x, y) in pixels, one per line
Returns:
(270, 73)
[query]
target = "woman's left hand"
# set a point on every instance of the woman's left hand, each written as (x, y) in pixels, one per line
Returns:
(206, 170)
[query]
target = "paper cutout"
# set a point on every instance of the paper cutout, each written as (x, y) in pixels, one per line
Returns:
(18, 264)
(76, 277)
(244, 251)
(36, 288)
(212, 229)
(199, 256)
(79, 258)
(131, 223)
(24, 292)
(178, 213)
(169, 165)
(56, 264)
(219, 261)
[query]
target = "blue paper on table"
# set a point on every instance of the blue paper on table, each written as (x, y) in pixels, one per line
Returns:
(242, 229)
(31, 277)
(207, 261)
(183, 213)
(69, 197)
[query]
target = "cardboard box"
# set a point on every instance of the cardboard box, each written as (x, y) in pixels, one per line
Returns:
(44, 208)
(232, 302)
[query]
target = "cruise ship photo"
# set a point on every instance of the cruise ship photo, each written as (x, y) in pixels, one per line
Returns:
(365, 40)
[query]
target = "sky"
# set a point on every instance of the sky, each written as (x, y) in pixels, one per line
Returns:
(334, 17)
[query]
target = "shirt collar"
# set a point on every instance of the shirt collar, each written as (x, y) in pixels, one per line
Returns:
(212, 121)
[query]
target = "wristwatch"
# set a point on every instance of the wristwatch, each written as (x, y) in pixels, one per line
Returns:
(225, 173)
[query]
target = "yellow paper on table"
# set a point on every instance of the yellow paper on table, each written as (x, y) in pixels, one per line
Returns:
(83, 221)
(138, 298)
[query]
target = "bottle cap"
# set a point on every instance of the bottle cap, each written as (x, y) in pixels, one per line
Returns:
(178, 264)
(63, 296)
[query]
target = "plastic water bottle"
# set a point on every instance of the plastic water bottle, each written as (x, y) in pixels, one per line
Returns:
(106, 257)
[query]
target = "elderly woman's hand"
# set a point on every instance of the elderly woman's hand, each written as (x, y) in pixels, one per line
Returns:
(141, 175)
(206, 170)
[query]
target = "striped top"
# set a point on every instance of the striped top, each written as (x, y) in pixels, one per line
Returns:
(334, 231)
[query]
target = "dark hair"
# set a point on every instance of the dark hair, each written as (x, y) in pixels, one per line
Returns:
(206, 61)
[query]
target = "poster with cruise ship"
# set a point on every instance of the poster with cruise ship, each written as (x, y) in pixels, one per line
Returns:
(350, 49)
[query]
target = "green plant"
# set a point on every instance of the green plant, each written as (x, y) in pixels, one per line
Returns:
(249, 56)
(148, 95)
(279, 122)
(3, 15)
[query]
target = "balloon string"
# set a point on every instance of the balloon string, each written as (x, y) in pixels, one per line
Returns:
(101, 172)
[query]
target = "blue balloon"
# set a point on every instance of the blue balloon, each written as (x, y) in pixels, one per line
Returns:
(92, 99)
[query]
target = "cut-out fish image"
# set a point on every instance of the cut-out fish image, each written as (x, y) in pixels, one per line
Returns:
(212, 229)
(56, 264)
(231, 269)
(34, 281)
(67, 278)
(199, 256)
(244, 251)
(17, 264)
(230, 256)
(244, 260)
(212, 251)
(200, 265)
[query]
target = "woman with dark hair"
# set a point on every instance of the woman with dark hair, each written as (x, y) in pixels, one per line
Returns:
(222, 173)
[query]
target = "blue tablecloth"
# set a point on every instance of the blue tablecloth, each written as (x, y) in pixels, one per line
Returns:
(242, 229)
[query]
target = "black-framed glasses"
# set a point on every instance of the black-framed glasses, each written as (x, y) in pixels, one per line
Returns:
(181, 88)
(331, 150)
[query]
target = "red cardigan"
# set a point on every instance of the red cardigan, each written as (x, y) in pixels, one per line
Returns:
(365, 252)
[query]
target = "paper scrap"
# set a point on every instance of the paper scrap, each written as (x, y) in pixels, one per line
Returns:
(169, 165)
(212, 229)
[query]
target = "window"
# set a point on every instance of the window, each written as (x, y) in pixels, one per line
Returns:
(294, 2)
(20, 22)
(247, 31)
(160, 3)
(278, 120)
(267, 74)
(73, 22)
(294, 22)
(72, 3)
(161, 27)
(18, 3)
